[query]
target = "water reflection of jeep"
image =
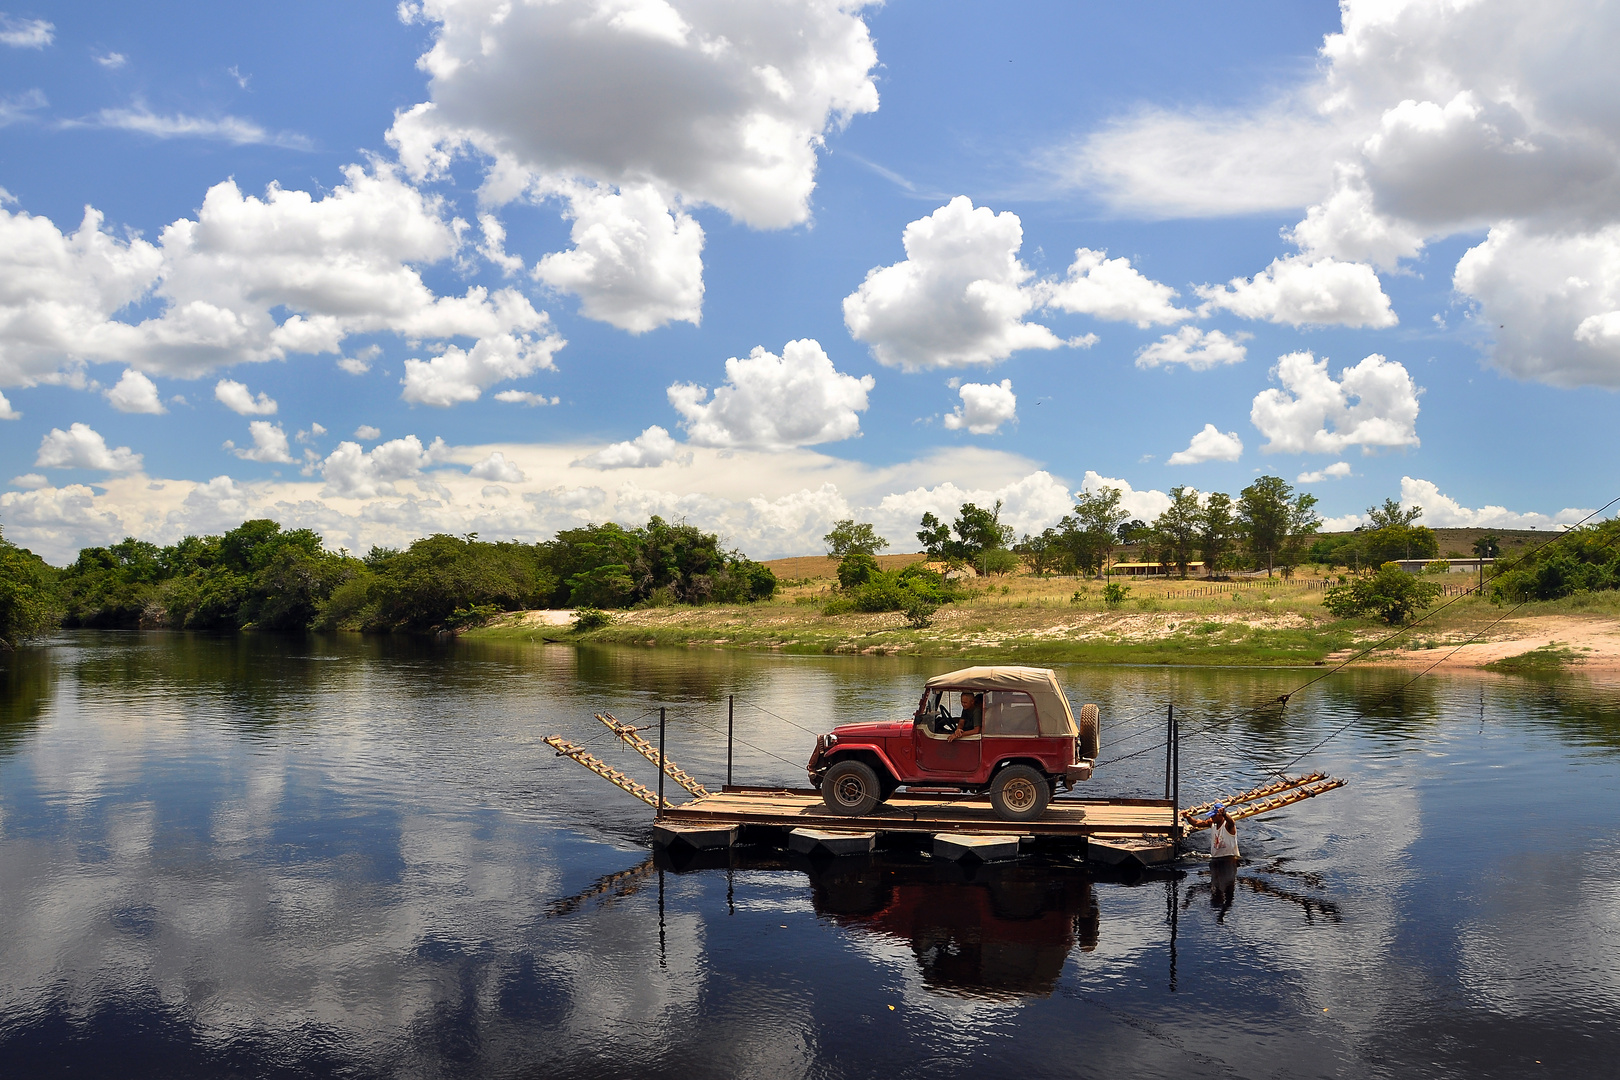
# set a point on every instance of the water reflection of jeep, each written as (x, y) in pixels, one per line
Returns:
(995, 931)
(1019, 743)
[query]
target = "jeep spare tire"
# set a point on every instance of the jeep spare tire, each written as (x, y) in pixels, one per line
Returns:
(1019, 793)
(1090, 741)
(851, 788)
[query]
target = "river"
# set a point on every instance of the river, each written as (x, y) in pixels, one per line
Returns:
(343, 856)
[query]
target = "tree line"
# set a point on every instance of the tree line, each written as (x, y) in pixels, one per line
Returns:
(264, 576)
(1264, 528)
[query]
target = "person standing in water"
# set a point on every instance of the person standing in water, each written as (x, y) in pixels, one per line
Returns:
(1223, 859)
(1222, 834)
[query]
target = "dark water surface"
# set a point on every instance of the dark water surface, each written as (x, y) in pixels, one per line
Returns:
(261, 856)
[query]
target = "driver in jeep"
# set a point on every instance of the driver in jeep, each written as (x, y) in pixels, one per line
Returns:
(972, 720)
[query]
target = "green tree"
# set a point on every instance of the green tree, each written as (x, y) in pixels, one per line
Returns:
(1392, 515)
(1273, 520)
(1041, 552)
(848, 538)
(29, 605)
(1217, 529)
(979, 530)
(1179, 527)
(935, 536)
(1488, 546)
(1397, 542)
(996, 561)
(1097, 518)
(1132, 531)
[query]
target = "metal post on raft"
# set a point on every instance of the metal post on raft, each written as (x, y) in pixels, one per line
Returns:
(661, 760)
(731, 726)
(1169, 739)
(1175, 771)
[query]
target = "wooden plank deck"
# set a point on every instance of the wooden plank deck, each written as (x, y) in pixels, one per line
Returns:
(924, 812)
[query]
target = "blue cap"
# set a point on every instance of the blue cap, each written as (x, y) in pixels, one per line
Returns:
(1217, 808)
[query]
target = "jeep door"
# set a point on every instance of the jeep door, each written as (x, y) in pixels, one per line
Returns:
(938, 759)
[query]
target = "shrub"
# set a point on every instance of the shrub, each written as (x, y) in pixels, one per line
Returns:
(475, 615)
(1114, 593)
(919, 613)
(856, 568)
(587, 619)
(1437, 566)
(1392, 594)
(889, 590)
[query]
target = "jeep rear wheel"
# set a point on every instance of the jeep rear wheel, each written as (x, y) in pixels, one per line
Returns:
(1019, 793)
(851, 788)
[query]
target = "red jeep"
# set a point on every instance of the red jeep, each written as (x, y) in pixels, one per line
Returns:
(1021, 743)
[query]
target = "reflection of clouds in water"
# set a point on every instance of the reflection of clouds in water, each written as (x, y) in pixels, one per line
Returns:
(1526, 948)
(962, 1022)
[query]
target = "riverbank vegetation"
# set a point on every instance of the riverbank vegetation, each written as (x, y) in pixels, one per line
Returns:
(1240, 580)
(260, 575)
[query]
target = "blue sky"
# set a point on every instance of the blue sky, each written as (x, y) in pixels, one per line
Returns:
(673, 185)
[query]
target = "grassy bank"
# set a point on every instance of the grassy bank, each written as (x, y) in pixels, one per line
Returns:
(1057, 620)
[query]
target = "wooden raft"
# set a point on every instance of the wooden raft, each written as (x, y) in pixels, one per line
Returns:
(924, 812)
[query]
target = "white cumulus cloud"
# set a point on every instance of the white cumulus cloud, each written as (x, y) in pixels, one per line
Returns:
(1302, 291)
(457, 375)
(6, 411)
(1373, 404)
(1209, 445)
(1028, 504)
(1551, 302)
(82, 447)
(239, 399)
(526, 397)
(496, 467)
(1336, 471)
(269, 444)
(353, 473)
(724, 104)
(1145, 505)
(1423, 120)
(1440, 511)
(135, 393)
(636, 263)
(1115, 290)
(254, 279)
(774, 402)
(985, 407)
(1199, 349)
(652, 447)
(959, 298)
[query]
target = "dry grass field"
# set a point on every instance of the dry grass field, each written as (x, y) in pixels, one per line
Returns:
(1251, 621)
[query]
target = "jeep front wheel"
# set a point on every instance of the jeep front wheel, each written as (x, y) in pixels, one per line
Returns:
(851, 788)
(1019, 793)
